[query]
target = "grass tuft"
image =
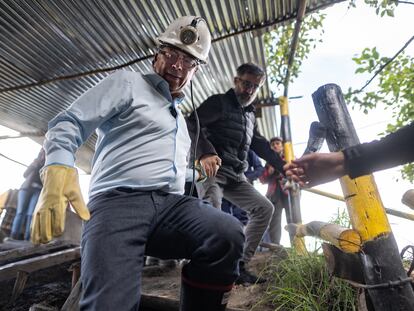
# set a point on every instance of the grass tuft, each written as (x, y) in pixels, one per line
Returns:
(303, 283)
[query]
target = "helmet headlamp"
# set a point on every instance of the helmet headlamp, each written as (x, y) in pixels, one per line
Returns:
(189, 34)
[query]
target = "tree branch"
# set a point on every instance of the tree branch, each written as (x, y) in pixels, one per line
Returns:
(405, 2)
(385, 65)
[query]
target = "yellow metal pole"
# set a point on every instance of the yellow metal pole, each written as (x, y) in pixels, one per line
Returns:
(293, 214)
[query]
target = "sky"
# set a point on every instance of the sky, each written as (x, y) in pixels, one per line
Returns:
(347, 32)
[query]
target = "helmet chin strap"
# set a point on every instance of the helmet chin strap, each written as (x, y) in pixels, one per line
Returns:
(195, 22)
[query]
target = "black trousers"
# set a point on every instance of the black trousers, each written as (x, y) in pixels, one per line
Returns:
(126, 224)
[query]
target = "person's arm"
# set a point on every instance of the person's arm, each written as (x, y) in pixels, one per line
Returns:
(36, 165)
(31, 168)
(261, 146)
(317, 168)
(66, 133)
(267, 175)
(70, 129)
(255, 169)
(208, 113)
(394, 149)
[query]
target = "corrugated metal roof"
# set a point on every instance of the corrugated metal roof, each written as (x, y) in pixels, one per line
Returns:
(47, 40)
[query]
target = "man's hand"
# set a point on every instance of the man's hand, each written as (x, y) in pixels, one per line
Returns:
(211, 164)
(316, 168)
(60, 187)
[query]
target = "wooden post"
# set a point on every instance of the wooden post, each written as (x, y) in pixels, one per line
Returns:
(382, 263)
(75, 269)
(19, 284)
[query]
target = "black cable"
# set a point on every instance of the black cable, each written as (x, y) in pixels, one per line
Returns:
(10, 159)
(196, 139)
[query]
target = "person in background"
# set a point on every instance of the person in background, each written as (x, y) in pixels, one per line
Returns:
(255, 168)
(228, 130)
(136, 205)
(317, 168)
(275, 193)
(27, 198)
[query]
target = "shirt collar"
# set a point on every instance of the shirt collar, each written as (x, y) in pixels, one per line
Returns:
(162, 87)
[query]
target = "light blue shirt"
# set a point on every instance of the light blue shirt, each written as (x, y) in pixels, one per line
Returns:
(140, 144)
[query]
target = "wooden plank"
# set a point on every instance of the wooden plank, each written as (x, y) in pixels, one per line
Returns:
(72, 303)
(9, 271)
(26, 251)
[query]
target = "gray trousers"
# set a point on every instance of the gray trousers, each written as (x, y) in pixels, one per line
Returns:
(244, 195)
(275, 226)
(126, 224)
(280, 201)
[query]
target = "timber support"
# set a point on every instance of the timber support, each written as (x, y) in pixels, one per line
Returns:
(385, 278)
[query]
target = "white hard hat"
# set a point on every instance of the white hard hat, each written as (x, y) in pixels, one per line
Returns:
(189, 34)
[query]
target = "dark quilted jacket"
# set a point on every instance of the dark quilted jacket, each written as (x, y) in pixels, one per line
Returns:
(229, 130)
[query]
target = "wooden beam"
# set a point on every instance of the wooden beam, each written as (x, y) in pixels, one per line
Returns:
(29, 250)
(346, 239)
(381, 259)
(343, 265)
(72, 302)
(9, 271)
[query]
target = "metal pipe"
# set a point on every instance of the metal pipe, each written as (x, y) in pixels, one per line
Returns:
(293, 214)
(294, 43)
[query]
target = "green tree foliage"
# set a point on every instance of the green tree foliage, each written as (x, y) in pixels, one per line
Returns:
(382, 7)
(277, 44)
(394, 89)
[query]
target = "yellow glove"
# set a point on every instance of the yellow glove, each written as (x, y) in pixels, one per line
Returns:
(3, 200)
(60, 187)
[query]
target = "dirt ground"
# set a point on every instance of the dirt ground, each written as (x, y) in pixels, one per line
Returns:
(166, 283)
(50, 287)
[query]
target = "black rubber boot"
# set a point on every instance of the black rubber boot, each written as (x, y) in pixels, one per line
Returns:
(203, 297)
(247, 278)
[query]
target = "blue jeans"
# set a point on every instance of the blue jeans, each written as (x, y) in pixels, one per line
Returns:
(26, 203)
(230, 208)
(126, 224)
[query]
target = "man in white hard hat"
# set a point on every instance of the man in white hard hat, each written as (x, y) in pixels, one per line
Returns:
(136, 204)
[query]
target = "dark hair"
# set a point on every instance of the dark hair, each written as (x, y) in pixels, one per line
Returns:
(250, 68)
(276, 138)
